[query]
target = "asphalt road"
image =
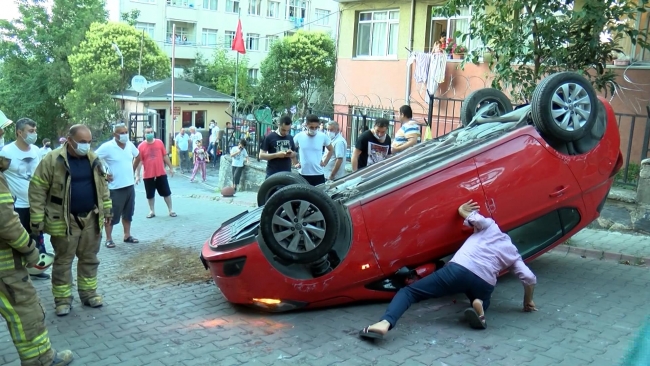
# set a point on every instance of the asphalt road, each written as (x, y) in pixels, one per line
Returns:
(589, 311)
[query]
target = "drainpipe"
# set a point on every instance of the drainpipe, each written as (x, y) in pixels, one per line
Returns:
(407, 94)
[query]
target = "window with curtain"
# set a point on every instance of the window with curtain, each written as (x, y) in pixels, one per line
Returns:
(232, 6)
(377, 33)
(147, 27)
(229, 37)
(209, 37)
(254, 7)
(273, 9)
(642, 54)
(210, 4)
(253, 42)
(450, 26)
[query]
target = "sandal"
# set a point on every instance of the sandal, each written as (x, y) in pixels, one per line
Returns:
(131, 240)
(151, 215)
(370, 334)
(172, 214)
(475, 321)
(110, 244)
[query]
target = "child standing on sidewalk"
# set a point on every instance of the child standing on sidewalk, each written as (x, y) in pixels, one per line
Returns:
(200, 159)
(238, 154)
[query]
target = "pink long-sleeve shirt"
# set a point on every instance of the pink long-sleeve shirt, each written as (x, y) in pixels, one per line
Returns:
(489, 251)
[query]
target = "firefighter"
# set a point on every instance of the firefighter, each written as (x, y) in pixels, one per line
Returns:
(19, 303)
(69, 200)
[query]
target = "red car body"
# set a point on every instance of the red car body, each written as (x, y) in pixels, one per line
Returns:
(410, 219)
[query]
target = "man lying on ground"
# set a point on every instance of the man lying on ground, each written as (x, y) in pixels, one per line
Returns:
(473, 271)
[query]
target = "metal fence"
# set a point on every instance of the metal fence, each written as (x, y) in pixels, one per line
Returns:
(634, 130)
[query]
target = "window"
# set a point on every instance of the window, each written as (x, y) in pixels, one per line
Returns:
(209, 37)
(194, 118)
(269, 41)
(210, 4)
(253, 42)
(252, 75)
(643, 26)
(254, 7)
(322, 17)
(273, 10)
(182, 3)
(448, 27)
(146, 27)
(296, 9)
(377, 33)
(232, 6)
(228, 39)
(538, 234)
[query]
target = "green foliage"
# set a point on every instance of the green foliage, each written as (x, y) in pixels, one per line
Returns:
(221, 71)
(35, 73)
(297, 67)
(198, 72)
(131, 17)
(547, 36)
(97, 74)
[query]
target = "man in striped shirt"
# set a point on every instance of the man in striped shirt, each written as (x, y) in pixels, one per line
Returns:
(409, 134)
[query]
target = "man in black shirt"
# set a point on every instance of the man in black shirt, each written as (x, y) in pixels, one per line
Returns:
(278, 148)
(372, 146)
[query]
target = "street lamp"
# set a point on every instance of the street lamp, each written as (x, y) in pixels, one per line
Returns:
(119, 53)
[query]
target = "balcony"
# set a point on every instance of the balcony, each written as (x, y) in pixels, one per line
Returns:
(183, 9)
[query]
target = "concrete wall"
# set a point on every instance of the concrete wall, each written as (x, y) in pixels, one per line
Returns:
(251, 180)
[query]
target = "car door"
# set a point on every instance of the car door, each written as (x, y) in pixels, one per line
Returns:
(523, 181)
(419, 222)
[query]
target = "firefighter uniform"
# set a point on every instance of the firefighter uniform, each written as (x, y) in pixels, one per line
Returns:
(72, 233)
(19, 303)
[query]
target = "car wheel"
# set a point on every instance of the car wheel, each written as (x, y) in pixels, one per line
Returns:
(479, 99)
(276, 182)
(564, 106)
(299, 224)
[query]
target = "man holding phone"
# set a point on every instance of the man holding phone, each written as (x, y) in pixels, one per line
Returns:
(278, 148)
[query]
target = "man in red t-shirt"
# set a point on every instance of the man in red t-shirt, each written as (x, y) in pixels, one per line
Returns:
(153, 156)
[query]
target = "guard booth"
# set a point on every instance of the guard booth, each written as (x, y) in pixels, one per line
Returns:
(139, 121)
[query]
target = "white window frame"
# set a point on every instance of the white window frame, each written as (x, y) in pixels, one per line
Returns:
(297, 5)
(388, 21)
(182, 32)
(228, 38)
(253, 75)
(230, 6)
(252, 39)
(148, 28)
(208, 3)
(637, 53)
(468, 18)
(270, 39)
(205, 32)
(322, 17)
(275, 5)
(255, 6)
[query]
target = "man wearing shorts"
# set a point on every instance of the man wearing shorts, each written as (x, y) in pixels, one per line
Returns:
(118, 155)
(154, 158)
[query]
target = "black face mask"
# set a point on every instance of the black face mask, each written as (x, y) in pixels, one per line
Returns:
(47, 145)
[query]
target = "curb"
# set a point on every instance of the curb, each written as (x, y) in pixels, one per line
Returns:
(620, 258)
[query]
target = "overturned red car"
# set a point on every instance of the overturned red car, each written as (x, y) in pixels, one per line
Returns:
(542, 171)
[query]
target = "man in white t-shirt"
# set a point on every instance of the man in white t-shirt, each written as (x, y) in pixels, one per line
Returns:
(335, 167)
(194, 137)
(118, 155)
(24, 156)
(182, 141)
(309, 144)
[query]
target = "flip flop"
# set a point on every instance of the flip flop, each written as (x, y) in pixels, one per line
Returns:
(131, 240)
(110, 244)
(151, 215)
(370, 334)
(475, 321)
(172, 214)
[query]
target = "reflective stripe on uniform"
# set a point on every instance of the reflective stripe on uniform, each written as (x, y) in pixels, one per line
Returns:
(86, 283)
(56, 228)
(22, 241)
(62, 291)
(35, 347)
(108, 204)
(6, 198)
(37, 217)
(7, 260)
(39, 182)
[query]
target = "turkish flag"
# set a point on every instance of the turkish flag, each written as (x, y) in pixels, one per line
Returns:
(238, 42)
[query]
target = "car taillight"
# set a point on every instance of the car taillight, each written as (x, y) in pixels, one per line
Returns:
(618, 165)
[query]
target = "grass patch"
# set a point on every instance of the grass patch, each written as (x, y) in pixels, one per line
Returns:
(164, 265)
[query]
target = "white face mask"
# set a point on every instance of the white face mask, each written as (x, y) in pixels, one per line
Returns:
(30, 138)
(124, 138)
(312, 132)
(82, 148)
(381, 139)
(332, 135)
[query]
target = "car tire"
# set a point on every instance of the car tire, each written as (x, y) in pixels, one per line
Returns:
(573, 119)
(304, 202)
(479, 98)
(276, 182)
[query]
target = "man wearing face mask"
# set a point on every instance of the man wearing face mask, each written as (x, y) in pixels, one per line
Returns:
(70, 185)
(310, 144)
(24, 157)
(335, 167)
(46, 147)
(372, 146)
(119, 153)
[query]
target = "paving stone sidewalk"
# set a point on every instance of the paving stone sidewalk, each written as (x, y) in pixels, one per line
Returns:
(589, 312)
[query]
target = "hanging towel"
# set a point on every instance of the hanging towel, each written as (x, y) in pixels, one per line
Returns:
(436, 72)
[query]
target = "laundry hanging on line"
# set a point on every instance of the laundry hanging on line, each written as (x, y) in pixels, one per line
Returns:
(429, 69)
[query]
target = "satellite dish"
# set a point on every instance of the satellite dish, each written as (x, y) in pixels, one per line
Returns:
(139, 83)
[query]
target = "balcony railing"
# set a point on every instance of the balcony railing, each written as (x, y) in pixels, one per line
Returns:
(191, 4)
(183, 40)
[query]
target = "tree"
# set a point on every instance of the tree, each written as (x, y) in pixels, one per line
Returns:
(297, 67)
(222, 71)
(548, 36)
(199, 73)
(97, 73)
(34, 49)
(131, 17)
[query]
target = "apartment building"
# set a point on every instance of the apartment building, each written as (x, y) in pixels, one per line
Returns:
(202, 26)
